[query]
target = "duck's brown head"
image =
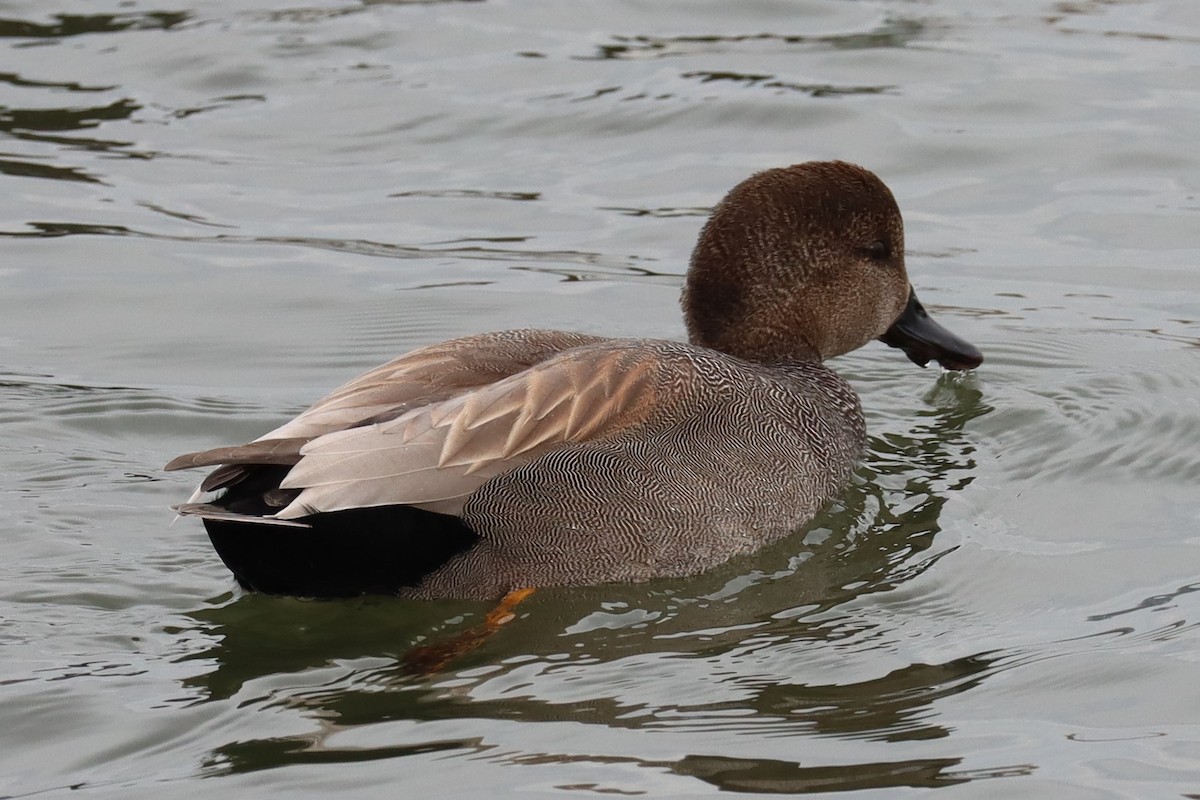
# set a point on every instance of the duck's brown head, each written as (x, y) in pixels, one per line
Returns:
(804, 263)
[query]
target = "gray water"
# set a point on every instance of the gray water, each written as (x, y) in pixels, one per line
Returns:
(212, 213)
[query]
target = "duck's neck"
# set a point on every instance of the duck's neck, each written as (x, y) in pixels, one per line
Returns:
(761, 346)
(719, 316)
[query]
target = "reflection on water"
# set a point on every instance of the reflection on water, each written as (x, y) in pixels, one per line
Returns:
(67, 25)
(771, 82)
(894, 708)
(765, 776)
(45, 126)
(895, 32)
(781, 777)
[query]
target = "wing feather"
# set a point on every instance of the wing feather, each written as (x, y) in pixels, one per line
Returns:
(435, 456)
(423, 377)
(426, 376)
(260, 451)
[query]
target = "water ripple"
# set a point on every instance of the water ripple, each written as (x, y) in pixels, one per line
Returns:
(1126, 419)
(68, 25)
(895, 32)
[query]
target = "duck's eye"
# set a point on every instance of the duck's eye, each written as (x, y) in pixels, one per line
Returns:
(878, 251)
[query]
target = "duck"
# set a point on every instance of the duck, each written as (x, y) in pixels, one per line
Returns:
(506, 461)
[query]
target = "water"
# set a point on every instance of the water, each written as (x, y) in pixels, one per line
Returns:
(210, 215)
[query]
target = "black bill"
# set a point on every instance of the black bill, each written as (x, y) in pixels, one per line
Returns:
(924, 340)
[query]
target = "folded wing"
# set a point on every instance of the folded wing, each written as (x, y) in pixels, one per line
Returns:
(436, 455)
(422, 377)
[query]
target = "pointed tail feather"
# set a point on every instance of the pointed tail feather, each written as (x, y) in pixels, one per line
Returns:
(210, 511)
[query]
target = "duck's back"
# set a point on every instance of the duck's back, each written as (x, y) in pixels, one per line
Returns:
(733, 455)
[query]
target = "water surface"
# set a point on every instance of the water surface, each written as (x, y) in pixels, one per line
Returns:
(212, 214)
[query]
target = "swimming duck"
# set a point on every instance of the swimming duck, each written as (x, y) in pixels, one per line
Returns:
(485, 464)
